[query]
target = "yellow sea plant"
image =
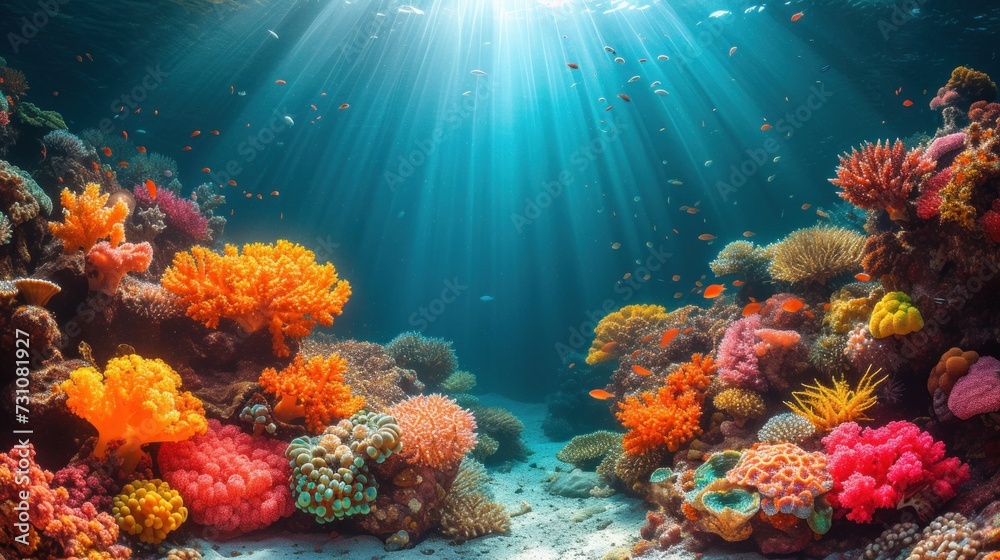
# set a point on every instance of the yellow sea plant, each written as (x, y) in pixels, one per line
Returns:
(895, 314)
(829, 406)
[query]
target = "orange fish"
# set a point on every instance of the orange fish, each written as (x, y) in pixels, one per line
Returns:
(806, 206)
(647, 338)
(706, 237)
(714, 291)
(232, 182)
(275, 193)
(698, 283)
(609, 346)
(798, 16)
(343, 106)
(634, 354)
(748, 233)
(668, 336)
(195, 133)
(862, 277)
(573, 65)
(601, 394)
(137, 111)
(624, 97)
(793, 305)
(751, 308)
(123, 165)
(79, 58)
(738, 283)
(106, 151)
(822, 214)
(766, 127)
(678, 295)
(93, 163)
(675, 277)
(809, 314)
(280, 82)
(215, 132)
(156, 111)
(826, 307)
(125, 135)
(206, 170)
(641, 371)
(692, 210)
(141, 149)
(151, 187)
(907, 103)
(687, 330)
(313, 107)
(186, 149)
(249, 195)
(572, 365)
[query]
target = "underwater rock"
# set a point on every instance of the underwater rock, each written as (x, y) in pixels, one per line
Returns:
(574, 484)
(409, 497)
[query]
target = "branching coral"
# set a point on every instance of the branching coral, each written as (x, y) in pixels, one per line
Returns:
(817, 254)
(619, 332)
(107, 265)
(889, 467)
(468, 510)
(279, 286)
(137, 400)
(965, 87)
(741, 404)
(670, 417)
(181, 214)
(895, 314)
(432, 358)
(743, 258)
(827, 407)
(436, 432)
(87, 220)
(150, 509)
(313, 389)
(233, 482)
(881, 177)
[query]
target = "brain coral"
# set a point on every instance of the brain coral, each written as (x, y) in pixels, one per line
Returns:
(895, 314)
(620, 332)
(233, 482)
(432, 358)
(953, 365)
(436, 431)
(788, 478)
(150, 509)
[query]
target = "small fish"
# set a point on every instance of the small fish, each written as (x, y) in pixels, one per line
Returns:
(678, 295)
(620, 60)
(280, 82)
(770, 178)
(714, 291)
(806, 206)
(573, 65)
(634, 79)
(624, 97)
(732, 51)
(907, 103)
(485, 298)
(601, 394)
(642, 60)
(609, 107)
(639, 370)
(862, 277)
(708, 163)
(669, 335)
(241, 93)
(692, 210)
(809, 314)
(478, 73)
(616, 245)
(288, 120)
(765, 127)
(609, 346)
(751, 308)
(661, 92)
(793, 305)
(706, 237)
(141, 149)
(232, 183)
(647, 338)
(609, 49)
(822, 214)
(79, 58)
(195, 133)
(273, 34)
(776, 159)
(215, 132)
(654, 84)
(151, 188)
(343, 106)
(738, 283)
(206, 170)
(676, 277)
(106, 151)
(662, 57)
(140, 131)
(825, 68)
(186, 149)
(571, 365)
(687, 330)
(275, 193)
(90, 58)
(675, 182)
(748, 233)
(797, 16)
(125, 135)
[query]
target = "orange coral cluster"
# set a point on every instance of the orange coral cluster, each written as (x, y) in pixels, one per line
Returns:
(314, 390)
(88, 219)
(670, 417)
(788, 478)
(971, 169)
(881, 177)
(953, 364)
(280, 286)
(436, 432)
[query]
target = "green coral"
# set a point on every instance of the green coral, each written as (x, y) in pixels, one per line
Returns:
(459, 382)
(587, 451)
(501, 425)
(32, 116)
(743, 258)
(786, 427)
(895, 314)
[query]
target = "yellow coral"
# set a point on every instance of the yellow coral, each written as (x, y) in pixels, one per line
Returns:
(971, 168)
(136, 400)
(741, 404)
(817, 254)
(828, 407)
(846, 311)
(895, 314)
(150, 509)
(279, 286)
(88, 220)
(620, 332)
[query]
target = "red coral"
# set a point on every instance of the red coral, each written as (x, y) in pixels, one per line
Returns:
(991, 222)
(929, 201)
(4, 118)
(985, 113)
(229, 480)
(885, 467)
(182, 214)
(881, 177)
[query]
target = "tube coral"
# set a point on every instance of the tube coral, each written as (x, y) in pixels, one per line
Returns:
(136, 400)
(278, 286)
(107, 265)
(436, 431)
(86, 219)
(881, 177)
(817, 254)
(313, 390)
(619, 332)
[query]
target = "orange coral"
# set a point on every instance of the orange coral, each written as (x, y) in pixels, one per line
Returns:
(88, 220)
(314, 390)
(670, 417)
(788, 478)
(136, 400)
(436, 432)
(953, 364)
(280, 286)
(971, 168)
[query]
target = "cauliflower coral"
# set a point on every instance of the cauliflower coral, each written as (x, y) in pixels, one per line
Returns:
(313, 390)
(619, 332)
(232, 481)
(279, 286)
(87, 219)
(895, 314)
(135, 400)
(437, 432)
(149, 509)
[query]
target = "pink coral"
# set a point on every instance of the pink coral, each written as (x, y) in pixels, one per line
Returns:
(991, 222)
(780, 355)
(436, 431)
(4, 118)
(737, 359)
(107, 265)
(889, 467)
(977, 392)
(229, 480)
(182, 214)
(881, 177)
(944, 146)
(929, 201)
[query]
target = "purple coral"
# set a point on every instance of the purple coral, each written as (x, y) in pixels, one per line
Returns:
(977, 392)
(737, 358)
(945, 146)
(182, 214)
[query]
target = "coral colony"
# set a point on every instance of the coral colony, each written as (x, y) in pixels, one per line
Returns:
(196, 395)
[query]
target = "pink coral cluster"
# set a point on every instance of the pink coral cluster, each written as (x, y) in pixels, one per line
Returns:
(889, 467)
(977, 392)
(107, 265)
(881, 177)
(4, 118)
(182, 214)
(229, 480)
(759, 359)
(991, 221)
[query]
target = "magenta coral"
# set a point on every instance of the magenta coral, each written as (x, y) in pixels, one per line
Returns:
(737, 357)
(977, 392)
(182, 214)
(107, 265)
(943, 146)
(889, 466)
(229, 480)
(881, 177)
(436, 432)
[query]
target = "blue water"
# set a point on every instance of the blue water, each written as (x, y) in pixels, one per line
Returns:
(427, 199)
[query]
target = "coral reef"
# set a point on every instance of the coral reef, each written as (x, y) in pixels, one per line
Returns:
(881, 177)
(468, 511)
(745, 259)
(965, 87)
(313, 389)
(619, 332)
